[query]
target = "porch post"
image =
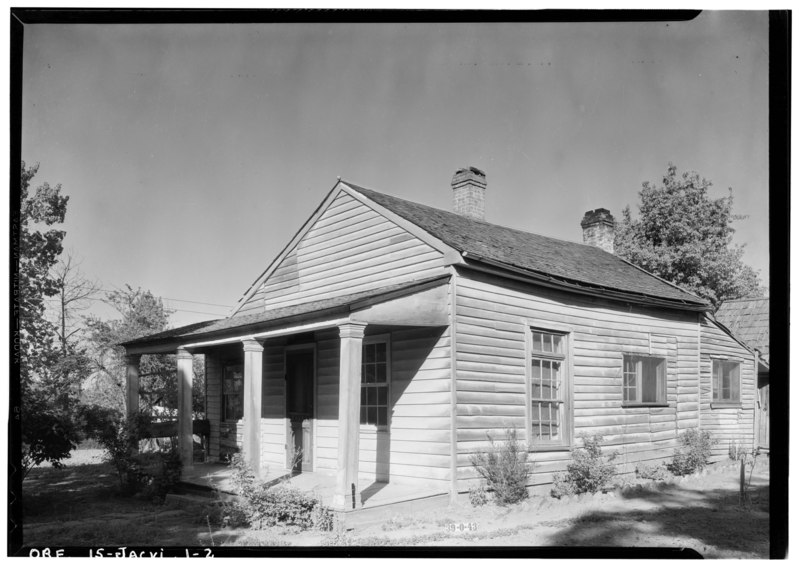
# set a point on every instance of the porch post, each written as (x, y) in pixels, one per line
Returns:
(351, 339)
(185, 442)
(132, 383)
(253, 356)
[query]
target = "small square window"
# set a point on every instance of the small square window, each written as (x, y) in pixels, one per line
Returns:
(644, 380)
(725, 381)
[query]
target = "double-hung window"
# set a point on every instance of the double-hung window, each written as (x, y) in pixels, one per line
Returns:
(548, 387)
(232, 391)
(375, 384)
(725, 381)
(644, 380)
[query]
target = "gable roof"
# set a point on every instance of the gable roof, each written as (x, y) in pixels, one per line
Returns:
(747, 319)
(572, 264)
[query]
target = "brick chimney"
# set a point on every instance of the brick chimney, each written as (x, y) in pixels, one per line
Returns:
(469, 188)
(598, 229)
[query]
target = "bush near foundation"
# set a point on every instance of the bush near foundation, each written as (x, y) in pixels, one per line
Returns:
(504, 468)
(263, 506)
(654, 472)
(693, 453)
(588, 472)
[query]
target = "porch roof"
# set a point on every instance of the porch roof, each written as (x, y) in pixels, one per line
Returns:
(251, 323)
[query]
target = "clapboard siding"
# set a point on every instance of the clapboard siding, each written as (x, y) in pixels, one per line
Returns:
(350, 248)
(492, 318)
(726, 425)
(417, 443)
(273, 407)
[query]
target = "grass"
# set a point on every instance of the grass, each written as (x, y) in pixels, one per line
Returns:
(82, 506)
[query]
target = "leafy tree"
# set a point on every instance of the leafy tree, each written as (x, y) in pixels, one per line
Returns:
(47, 422)
(685, 237)
(39, 248)
(142, 314)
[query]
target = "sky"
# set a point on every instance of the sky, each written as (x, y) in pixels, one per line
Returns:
(193, 153)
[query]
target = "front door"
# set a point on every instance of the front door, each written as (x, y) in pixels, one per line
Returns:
(300, 408)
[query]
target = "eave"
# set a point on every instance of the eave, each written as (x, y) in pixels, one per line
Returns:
(542, 279)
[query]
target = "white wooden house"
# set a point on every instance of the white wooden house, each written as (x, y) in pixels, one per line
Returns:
(388, 338)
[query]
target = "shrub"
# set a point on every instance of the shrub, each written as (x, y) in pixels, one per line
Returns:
(693, 452)
(588, 472)
(48, 435)
(504, 468)
(477, 496)
(153, 474)
(656, 472)
(149, 475)
(263, 506)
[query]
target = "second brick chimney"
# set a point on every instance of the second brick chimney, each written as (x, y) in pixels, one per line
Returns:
(598, 229)
(469, 189)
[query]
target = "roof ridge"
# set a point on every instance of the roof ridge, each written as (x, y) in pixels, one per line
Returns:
(553, 256)
(357, 187)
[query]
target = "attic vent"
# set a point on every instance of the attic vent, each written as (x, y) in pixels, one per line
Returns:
(469, 189)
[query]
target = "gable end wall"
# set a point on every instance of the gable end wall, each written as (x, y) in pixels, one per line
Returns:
(350, 248)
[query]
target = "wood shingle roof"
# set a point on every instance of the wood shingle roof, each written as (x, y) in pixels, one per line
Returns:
(748, 319)
(571, 262)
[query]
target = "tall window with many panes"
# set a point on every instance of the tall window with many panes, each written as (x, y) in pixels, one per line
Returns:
(375, 384)
(232, 391)
(548, 387)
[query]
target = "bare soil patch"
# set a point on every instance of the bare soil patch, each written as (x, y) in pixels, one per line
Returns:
(80, 506)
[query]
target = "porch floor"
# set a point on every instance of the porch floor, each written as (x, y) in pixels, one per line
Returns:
(373, 493)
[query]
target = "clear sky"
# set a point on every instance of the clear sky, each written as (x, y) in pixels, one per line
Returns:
(193, 153)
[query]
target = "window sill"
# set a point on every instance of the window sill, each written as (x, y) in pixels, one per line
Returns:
(645, 405)
(720, 404)
(540, 449)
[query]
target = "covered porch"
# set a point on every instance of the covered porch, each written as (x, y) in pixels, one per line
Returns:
(372, 494)
(285, 388)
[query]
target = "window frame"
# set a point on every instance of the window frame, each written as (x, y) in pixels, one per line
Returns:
(726, 402)
(565, 440)
(386, 339)
(231, 363)
(661, 397)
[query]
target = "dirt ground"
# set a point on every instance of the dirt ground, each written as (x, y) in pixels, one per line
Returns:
(79, 506)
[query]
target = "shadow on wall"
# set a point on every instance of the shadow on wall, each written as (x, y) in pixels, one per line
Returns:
(411, 350)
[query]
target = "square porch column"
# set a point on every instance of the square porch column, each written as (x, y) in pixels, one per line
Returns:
(351, 339)
(253, 357)
(185, 441)
(132, 383)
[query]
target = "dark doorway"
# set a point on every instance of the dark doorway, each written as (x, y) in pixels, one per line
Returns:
(300, 408)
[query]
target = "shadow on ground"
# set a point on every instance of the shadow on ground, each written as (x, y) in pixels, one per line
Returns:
(712, 520)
